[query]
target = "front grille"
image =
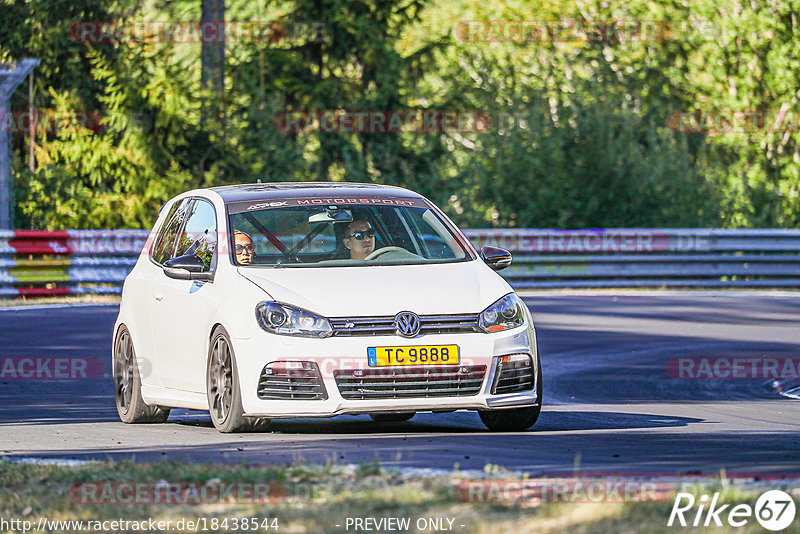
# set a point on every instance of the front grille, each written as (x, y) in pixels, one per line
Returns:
(384, 326)
(407, 382)
(514, 373)
(291, 380)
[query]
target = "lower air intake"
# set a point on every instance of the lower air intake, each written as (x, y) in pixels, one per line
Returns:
(407, 382)
(514, 373)
(291, 381)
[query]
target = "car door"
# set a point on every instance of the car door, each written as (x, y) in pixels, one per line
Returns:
(181, 308)
(139, 288)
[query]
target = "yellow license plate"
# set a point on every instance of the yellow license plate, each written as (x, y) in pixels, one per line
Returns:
(415, 355)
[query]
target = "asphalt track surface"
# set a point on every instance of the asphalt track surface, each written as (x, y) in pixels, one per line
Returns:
(611, 405)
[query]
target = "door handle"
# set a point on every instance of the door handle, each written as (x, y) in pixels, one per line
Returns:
(158, 295)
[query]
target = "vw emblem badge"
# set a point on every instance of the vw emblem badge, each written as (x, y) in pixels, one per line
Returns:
(406, 324)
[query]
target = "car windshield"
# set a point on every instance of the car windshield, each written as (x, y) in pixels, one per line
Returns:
(328, 233)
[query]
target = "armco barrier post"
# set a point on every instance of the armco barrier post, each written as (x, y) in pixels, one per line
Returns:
(6, 264)
(11, 75)
(5, 248)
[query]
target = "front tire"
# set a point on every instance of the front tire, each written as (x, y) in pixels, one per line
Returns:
(223, 390)
(128, 385)
(516, 419)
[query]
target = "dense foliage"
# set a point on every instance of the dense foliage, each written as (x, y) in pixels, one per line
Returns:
(576, 129)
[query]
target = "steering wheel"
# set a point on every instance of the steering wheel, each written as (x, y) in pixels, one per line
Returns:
(384, 250)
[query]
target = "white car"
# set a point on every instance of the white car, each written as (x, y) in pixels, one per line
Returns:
(267, 301)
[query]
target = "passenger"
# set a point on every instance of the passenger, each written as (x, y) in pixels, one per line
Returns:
(243, 246)
(359, 239)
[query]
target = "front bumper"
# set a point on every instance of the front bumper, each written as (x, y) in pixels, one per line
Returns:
(349, 353)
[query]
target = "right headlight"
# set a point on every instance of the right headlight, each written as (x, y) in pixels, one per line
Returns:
(505, 314)
(286, 320)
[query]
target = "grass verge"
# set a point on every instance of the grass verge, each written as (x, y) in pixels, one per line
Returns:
(310, 499)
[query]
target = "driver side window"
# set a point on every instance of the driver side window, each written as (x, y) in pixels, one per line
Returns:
(164, 247)
(199, 234)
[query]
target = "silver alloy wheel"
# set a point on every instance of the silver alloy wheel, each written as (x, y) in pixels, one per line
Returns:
(221, 378)
(123, 371)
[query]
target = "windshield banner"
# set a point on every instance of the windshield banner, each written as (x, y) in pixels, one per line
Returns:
(275, 203)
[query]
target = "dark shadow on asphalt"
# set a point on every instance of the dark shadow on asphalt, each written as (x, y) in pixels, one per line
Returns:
(31, 412)
(556, 453)
(458, 423)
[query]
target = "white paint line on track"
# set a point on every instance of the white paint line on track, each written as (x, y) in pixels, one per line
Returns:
(48, 461)
(572, 292)
(791, 394)
(56, 306)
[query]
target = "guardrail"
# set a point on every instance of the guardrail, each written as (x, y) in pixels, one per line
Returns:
(648, 257)
(36, 263)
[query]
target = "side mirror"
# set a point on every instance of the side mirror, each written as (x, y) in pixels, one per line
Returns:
(496, 258)
(188, 267)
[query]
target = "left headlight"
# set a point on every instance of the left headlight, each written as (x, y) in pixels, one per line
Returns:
(504, 314)
(287, 320)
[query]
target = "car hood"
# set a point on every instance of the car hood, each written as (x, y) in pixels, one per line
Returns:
(464, 287)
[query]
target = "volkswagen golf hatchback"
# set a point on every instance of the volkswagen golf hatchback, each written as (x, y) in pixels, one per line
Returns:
(266, 301)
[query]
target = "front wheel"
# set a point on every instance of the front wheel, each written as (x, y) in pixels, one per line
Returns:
(128, 385)
(516, 419)
(223, 390)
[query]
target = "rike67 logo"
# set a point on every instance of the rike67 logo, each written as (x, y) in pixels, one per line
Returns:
(774, 510)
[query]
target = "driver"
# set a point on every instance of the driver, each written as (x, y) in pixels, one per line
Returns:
(243, 246)
(359, 239)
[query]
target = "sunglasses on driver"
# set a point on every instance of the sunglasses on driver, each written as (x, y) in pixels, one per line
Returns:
(359, 236)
